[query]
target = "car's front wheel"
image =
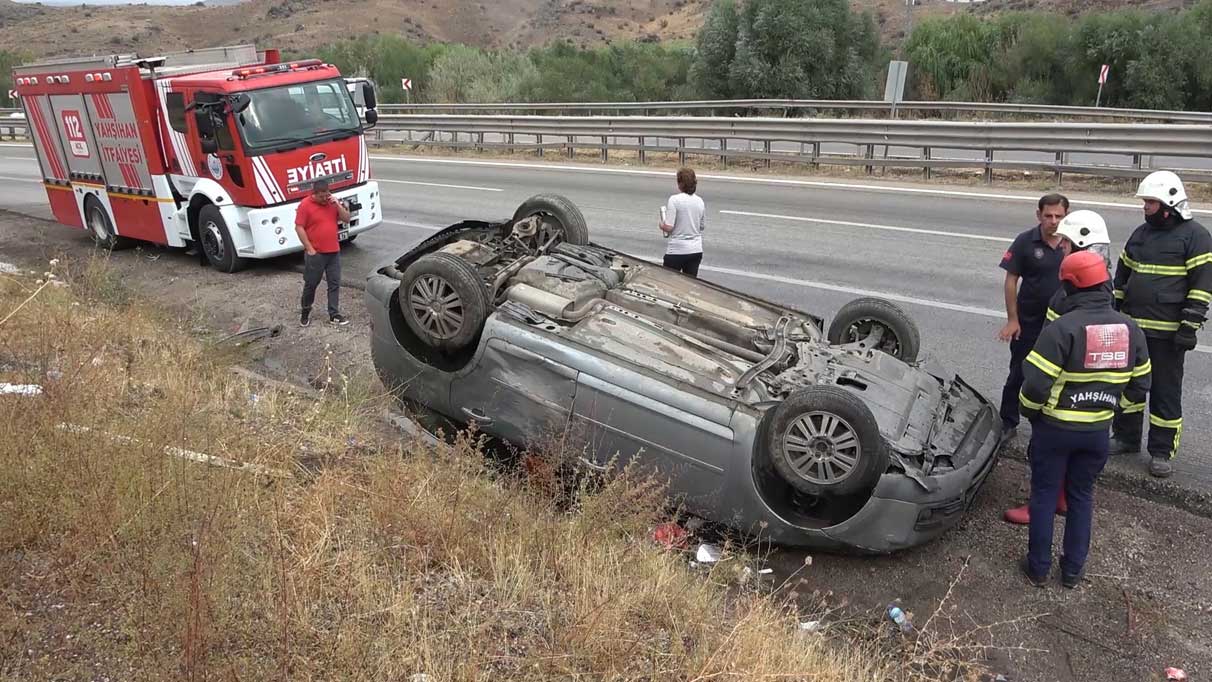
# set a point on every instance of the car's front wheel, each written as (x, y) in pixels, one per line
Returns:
(880, 324)
(823, 440)
(443, 301)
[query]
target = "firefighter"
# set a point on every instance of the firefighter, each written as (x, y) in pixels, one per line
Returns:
(1078, 231)
(1163, 281)
(1087, 362)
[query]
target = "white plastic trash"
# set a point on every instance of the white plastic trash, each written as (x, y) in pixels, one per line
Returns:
(708, 554)
(20, 389)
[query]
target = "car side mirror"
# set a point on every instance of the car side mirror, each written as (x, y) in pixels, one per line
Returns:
(372, 116)
(240, 102)
(368, 97)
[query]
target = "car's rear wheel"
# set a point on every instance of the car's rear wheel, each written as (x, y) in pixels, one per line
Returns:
(443, 301)
(879, 323)
(559, 216)
(823, 440)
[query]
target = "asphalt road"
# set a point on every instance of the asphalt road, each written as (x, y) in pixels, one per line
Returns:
(809, 244)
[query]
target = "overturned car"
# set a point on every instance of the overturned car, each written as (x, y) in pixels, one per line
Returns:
(758, 417)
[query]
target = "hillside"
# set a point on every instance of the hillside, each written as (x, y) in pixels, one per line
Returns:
(46, 31)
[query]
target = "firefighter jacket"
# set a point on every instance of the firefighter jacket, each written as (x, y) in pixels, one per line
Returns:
(1164, 277)
(1087, 363)
(1059, 303)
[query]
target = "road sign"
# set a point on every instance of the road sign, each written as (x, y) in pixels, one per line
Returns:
(12, 94)
(406, 83)
(1103, 73)
(894, 88)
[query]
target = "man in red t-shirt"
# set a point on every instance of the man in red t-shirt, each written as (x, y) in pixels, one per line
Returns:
(316, 224)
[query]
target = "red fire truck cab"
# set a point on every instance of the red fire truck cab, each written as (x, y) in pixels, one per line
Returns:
(213, 148)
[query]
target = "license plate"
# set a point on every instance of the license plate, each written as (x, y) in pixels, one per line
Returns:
(342, 234)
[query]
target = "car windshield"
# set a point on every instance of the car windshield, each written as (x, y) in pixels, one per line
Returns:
(297, 112)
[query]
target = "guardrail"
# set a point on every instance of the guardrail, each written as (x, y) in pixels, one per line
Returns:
(802, 106)
(805, 140)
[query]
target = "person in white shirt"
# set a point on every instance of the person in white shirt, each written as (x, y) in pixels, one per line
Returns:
(683, 221)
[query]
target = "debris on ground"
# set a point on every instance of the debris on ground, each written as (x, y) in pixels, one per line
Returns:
(20, 389)
(708, 554)
(1176, 674)
(898, 616)
(812, 626)
(670, 535)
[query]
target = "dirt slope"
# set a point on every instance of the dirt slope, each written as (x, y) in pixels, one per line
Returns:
(46, 31)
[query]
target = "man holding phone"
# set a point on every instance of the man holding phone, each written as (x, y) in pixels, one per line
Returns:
(316, 223)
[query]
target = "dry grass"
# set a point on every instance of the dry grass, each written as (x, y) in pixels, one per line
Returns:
(349, 556)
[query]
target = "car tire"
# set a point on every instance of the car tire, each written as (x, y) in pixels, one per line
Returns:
(444, 301)
(102, 228)
(823, 441)
(857, 318)
(565, 214)
(215, 241)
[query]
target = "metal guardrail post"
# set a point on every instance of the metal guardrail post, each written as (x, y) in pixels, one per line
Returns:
(605, 147)
(724, 152)
(681, 151)
(571, 148)
(643, 152)
(1060, 161)
(539, 146)
(509, 140)
(988, 166)
(926, 152)
(767, 147)
(1136, 161)
(869, 156)
(816, 156)
(480, 143)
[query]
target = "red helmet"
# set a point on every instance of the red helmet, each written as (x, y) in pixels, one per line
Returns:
(1084, 269)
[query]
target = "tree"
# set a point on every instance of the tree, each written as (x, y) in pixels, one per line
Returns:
(809, 49)
(716, 50)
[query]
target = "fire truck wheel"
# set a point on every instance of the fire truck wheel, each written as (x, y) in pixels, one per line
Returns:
(216, 241)
(102, 228)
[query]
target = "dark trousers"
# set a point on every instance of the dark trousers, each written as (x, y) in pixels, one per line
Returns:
(328, 266)
(684, 262)
(1165, 402)
(1072, 459)
(1019, 348)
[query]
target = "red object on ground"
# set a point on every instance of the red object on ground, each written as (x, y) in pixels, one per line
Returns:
(1175, 674)
(670, 535)
(1022, 516)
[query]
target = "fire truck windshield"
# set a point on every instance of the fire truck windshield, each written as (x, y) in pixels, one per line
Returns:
(298, 114)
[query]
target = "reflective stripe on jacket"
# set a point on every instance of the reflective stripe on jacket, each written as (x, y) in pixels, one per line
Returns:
(1162, 272)
(1089, 362)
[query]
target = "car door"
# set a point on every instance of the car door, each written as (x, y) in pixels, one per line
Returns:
(515, 394)
(679, 434)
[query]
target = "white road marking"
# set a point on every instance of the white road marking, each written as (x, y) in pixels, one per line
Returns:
(871, 226)
(767, 181)
(418, 226)
(438, 184)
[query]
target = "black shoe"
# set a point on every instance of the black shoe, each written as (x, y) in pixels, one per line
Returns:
(1070, 581)
(338, 320)
(305, 318)
(1119, 447)
(1036, 580)
(1160, 467)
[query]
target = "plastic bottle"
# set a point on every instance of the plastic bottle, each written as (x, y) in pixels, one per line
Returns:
(896, 615)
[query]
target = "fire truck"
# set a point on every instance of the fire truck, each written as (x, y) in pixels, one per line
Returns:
(211, 149)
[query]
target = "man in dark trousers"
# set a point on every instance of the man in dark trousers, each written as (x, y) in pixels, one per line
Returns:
(316, 224)
(1034, 258)
(1084, 365)
(1164, 282)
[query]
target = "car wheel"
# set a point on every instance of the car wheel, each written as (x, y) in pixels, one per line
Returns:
(861, 318)
(443, 301)
(559, 215)
(823, 440)
(216, 241)
(102, 228)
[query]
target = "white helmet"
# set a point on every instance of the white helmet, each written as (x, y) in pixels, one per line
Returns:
(1166, 187)
(1084, 228)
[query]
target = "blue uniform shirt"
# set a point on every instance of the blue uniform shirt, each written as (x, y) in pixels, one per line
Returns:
(1038, 264)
